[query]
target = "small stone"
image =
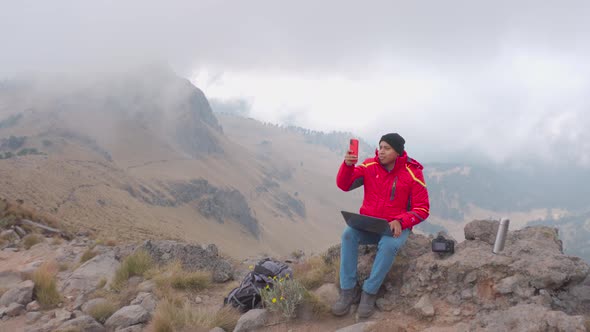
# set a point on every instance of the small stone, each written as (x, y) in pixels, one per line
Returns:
(14, 309)
(471, 277)
(33, 306)
(33, 316)
(198, 300)
(457, 312)
(62, 315)
(466, 294)
(384, 304)
(146, 286)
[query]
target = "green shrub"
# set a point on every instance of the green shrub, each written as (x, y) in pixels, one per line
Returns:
(283, 297)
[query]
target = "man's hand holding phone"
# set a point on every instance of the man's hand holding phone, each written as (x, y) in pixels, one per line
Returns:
(352, 156)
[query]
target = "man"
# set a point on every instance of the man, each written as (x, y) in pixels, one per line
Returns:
(394, 190)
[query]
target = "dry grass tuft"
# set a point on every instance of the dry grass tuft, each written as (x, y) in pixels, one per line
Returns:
(102, 311)
(106, 242)
(87, 255)
(318, 307)
(56, 240)
(192, 281)
(3, 290)
(173, 277)
(314, 272)
(45, 290)
(135, 264)
(31, 240)
(174, 316)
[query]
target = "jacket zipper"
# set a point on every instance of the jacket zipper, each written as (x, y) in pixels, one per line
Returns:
(393, 189)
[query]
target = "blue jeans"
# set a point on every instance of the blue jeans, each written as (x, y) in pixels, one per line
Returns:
(387, 249)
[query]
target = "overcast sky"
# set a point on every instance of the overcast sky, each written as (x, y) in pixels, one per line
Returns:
(506, 80)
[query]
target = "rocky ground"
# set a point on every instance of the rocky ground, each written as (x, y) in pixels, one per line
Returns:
(530, 286)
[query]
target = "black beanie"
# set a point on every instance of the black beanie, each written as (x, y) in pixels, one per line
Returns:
(395, 140)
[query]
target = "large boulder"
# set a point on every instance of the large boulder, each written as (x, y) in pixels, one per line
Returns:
(528, 318)
(127, 316)
(22, 293)
(252, 320)
(192, 257)
(83, 323)
(483, 230)
(88, 276)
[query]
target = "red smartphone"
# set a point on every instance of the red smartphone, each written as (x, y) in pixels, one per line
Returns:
(354, 146)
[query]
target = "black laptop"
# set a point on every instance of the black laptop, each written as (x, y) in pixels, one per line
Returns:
(366, 223)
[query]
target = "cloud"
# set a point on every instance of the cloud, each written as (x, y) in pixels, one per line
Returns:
(500, 80)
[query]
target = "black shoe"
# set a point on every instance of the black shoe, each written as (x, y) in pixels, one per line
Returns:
(367, 306)
(347, 298)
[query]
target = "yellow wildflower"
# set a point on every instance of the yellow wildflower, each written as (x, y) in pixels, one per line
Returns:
(274, 300)
(281, 280)
(251, 267)
(282, 298)
(267, 287)
(287, 276)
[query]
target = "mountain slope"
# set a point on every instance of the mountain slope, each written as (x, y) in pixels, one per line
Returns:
(141, 155)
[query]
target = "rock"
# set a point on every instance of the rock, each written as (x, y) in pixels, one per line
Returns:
(10, 235)
(529, 317)
(384, 304)
(134, 328)
(217, 329)
(134, 281)
(328, 293)
(460, 327)
(61, 315)
(127, 316)
(222, 272)
(31, 267)
(147, 300)
(14, 309)
(84, 323)
(21, 232)
(2, 311)
(78, 314)
(198, 300)
(146, 286)
(358, 327)
(424, 307)
(9, 279)
(22, 293)
(32, 317)
(88, 276)
(91, 304)
(33, 306)
(483, 230)
(192, 257)
(252, 320)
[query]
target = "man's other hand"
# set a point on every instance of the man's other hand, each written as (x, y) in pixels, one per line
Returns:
(350, 159)
(396, 228)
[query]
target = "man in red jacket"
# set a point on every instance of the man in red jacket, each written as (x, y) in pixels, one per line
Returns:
(394, 190)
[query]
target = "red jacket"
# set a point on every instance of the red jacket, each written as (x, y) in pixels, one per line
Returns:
(400, 194)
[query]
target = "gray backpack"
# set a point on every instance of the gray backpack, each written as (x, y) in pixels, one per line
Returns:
(247, 295)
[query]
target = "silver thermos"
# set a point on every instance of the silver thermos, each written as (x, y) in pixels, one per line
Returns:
(501, 236)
